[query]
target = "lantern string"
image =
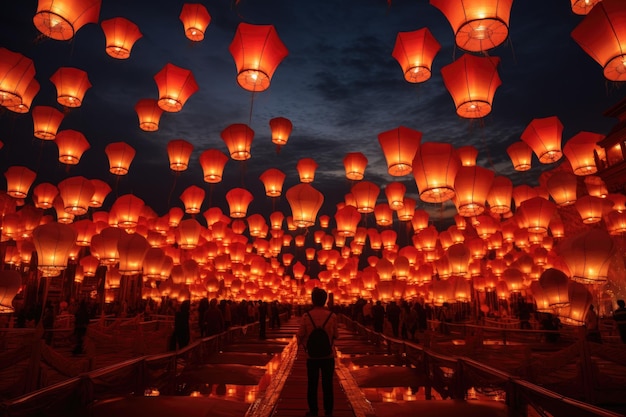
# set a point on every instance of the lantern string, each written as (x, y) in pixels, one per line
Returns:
(251, 107)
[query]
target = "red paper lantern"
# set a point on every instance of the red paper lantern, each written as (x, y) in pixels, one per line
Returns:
(101, 190)
(46, 122)
(196, 19)
(76, 194)
(120, 34)
(213, 162)
(347, 219)
(257, 51)
(472, 82)
(305, 202)
(53, 242)
(281, 129)
(472, 185)
(273, 180)
(19, 179)
(126, 210)
(175, 85)
(415, 52)
(71, 84)
(354, 164)
(44, 195)
(602, 35)
(521, 155)
(579, 151)
(478, 25)
(544, 138)
(399, 147)
(306, 169)
(16, 74)
(499, 197)
(238, 200)
(72, 144)
(365, 193)
(383, 214)
(238, 139)
(179, 151)
(582, 7)
(27, 98)
(562, 188)
(61, 19)
(395, 195)
(435, 167)
(149, 114)
(192, 198)
(120, 155)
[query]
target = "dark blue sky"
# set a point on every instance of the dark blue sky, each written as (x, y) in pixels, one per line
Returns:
(339, 86)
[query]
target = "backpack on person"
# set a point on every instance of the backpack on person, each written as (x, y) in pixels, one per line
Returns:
(318, 344)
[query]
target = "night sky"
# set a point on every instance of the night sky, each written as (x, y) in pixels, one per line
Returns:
(339, 86)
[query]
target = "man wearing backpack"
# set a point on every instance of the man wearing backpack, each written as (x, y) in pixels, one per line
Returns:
(320, 352)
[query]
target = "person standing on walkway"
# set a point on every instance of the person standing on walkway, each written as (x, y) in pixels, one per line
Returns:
(262, 319)
(619, 316)
(319, 317)
(81, 321)
(378, 316)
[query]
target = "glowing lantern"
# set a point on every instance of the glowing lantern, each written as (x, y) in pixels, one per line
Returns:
(589, 255)
(76, 194)
(514, 279)
(472, 82)
(188, 234)
(44, 195)
(273, 180)
(467, 155)
(562, 188)
(132, 249)
(365, 193)
(127, 209)
(383, 214)
(602, 35)
(435, 167)
(27, 98)
(415, 52)
(395, 195)
(544, 138)
(85, 230)
(478, 25)
(46, 122)
(579, 151)
(582, 7)
(53, 242)
(420, 220)
(179, 151)
(238, 139)
(499, 197)
(591, 208)
(16, 74)
(213, 162)
(192, 198)
(521, 155)
(72, 144)
(71, 84)
(196, 19)
(120, 155)
(596, 186)
(19, 179)
(537, 213)
(407, 211)
(305, 202)
(354, 164)
(61, 19)
(149, 114)
(472, 185)
(347, 219)
(399, 147)
(306, 169)
(121, 34)
(580, 300)
(238, 200)
(257, 51)
(153, 263)
(175, 86)
(101, 190)
(522, 193)
(281, 129)
(458, 258)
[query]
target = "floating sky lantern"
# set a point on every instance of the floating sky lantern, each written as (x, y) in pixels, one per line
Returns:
(257, 51)
(355, 164)
(592, 208)
(44, 195)
(415, 52)
(71, 144)
(589, 255)
(543, 135)
(394, 191)
(175, 86)
(19, 179)
(238, 200)
(467, 154)
(120, 36)
(16, 73)
(61, 19)
(281, 129)
(101, 190)
(238, 139)
(306, 169)
(192, 198)
(273, 180)
(471, 186)
(71, 84)
(365, 194)
(76, 193)
(579, 151)
(213, 162)
(399, 147)
(582, 7)
(434, 167)
(563, 188)
(120, 155)
(53, 242)
(499, 197)
(347, 219)
(305, 201)
(27, 98)
(602, 35)
(521, 155)
(126, 211)
(149, 114)
(472, 82)
(478, 25)
(46, 122)
(196, 19)
(179, 151)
